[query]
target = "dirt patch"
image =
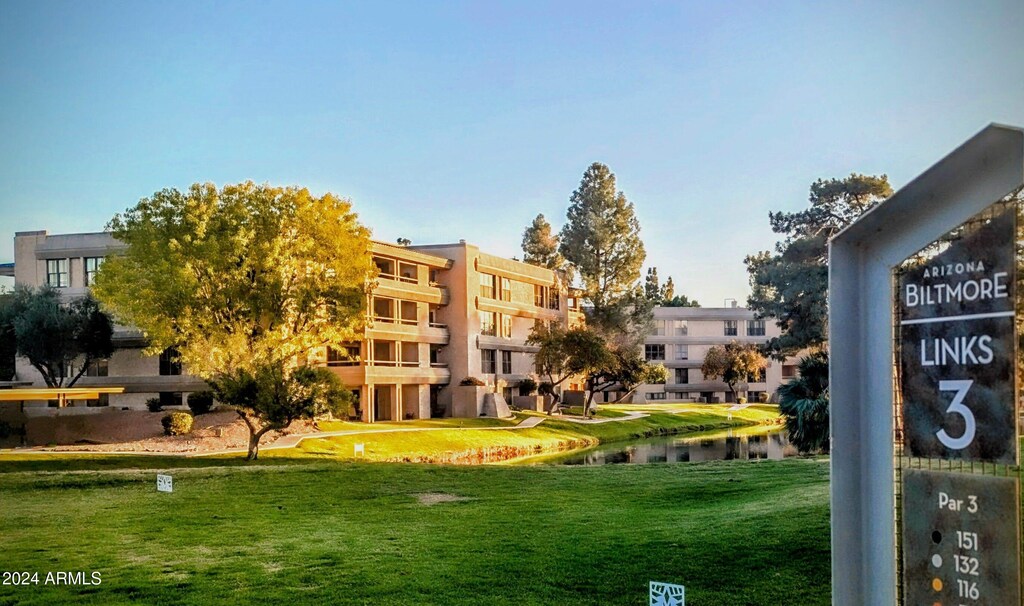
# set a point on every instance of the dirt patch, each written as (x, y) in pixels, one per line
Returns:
(433, 498)
(133, 431)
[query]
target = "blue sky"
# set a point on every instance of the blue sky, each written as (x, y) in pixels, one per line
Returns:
(450, 120)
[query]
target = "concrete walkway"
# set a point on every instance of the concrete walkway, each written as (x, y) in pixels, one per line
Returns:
(629, 417)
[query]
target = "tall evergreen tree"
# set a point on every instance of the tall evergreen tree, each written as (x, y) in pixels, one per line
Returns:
(601, 239)
(601, 242)
(651, 286)
(791, 285)
(668, 292)
(540, 245)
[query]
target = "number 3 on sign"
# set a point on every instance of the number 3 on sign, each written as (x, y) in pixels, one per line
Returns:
(957, 406)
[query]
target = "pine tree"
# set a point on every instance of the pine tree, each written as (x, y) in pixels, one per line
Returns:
(668, 292)
(540, 246)
(791, 285)
(651, 287)
(601, 238)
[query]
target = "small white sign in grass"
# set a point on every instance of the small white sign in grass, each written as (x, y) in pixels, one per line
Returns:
(164, 483)
(360, 450)
(667, 594)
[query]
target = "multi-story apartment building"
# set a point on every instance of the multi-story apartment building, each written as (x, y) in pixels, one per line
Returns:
(68, 262)
(442, 314)
(438, 315)
(681, 339)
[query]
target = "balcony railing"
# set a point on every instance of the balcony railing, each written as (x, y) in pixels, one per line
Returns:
(439, 365)
(399, 278)
(394, 363)
(390, 320)
(438, 325)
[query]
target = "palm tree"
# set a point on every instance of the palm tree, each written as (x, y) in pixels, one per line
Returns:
(804, 403)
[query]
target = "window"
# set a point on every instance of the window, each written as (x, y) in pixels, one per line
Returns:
(506, 362)
(383, 309)
(682, 376)
(487, 286)
(755, 328)
(409, 311)
(57, 273)
(487, 326)
(487, 361)
(682, 352)
(384, 353)
(730, 328)
(760, 376)
(92, 264)
(659, 328)
(102, 400)
(407, 273)
(545, 296)
(656, 395)
(788, 371)
(348, 356)
(679, 328)
(506, 289)
(97, 368)
(654, 352)
(170, 364)
(170, 398)
(386, 267)
(506, 326)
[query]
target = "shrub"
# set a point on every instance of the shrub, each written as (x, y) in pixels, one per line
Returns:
(527, 386)
(763, 397)
(468, 381)
(153, 404)
(741, 400)
(177, 424)
(546, 389)
(200, 402)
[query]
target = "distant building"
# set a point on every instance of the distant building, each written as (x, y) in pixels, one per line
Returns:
(440, 314)
(680, 341)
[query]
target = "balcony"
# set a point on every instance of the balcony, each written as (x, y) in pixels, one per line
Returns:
(398, 278)
(394, 371)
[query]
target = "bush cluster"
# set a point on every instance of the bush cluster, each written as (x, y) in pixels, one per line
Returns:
(177, 424)
(153, 404)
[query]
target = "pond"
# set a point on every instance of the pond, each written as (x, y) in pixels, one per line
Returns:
(740, 444)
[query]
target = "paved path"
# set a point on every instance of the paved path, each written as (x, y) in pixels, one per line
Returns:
(629, 417)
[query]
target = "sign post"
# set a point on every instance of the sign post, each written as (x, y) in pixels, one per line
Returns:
(957, 337)
(870, 425)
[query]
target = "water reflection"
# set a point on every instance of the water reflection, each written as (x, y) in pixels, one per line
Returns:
(771, 445)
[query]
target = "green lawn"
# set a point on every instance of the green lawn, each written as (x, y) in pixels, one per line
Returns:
(304, 531)
(478, 445)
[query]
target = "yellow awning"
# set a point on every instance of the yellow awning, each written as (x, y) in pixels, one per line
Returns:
(60, 393)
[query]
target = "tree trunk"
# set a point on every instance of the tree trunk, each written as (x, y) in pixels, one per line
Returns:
(254, 446)
(586, 403)
(255, 435)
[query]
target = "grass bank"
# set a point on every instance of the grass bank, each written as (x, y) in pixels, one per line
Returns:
(480, 445)
(314, 532)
